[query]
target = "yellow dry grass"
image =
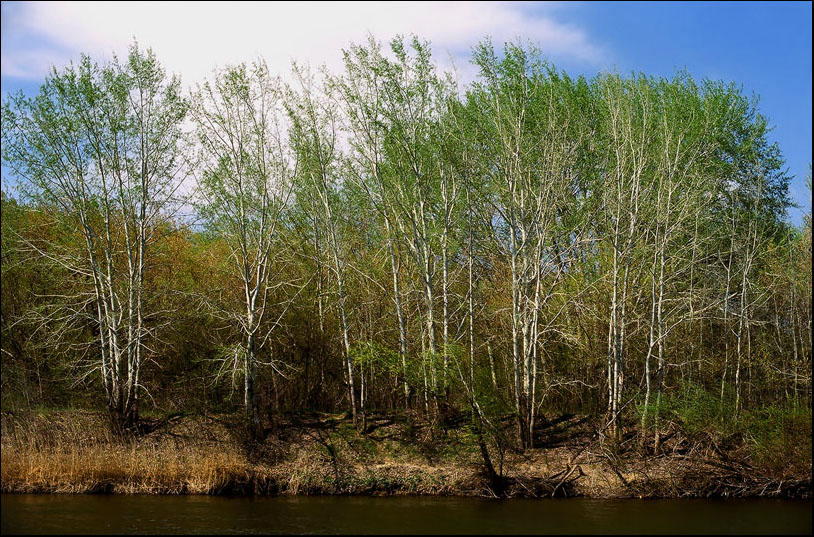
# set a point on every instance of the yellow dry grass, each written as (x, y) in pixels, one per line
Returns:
(123, 469)
(78, 454)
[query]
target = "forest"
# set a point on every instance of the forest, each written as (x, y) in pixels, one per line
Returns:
(387, 240)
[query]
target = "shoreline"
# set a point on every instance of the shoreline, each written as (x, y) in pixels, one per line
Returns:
(73, 452)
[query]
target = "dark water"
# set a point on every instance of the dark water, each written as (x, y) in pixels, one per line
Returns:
(29, 513)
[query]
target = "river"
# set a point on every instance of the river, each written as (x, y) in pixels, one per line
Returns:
(65, 514)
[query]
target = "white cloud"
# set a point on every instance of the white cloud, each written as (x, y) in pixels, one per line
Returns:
(191, 38)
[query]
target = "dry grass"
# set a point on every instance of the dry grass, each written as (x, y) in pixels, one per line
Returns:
(120, 469)
(76, 452)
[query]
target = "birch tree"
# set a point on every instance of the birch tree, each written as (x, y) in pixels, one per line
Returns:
(315, 127)
(678, 199)
(627, 126)
(246, 185)
(408, 106)
(360, 92)
(528, 118)
(102, 146)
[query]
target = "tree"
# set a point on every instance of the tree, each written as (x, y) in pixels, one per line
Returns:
(101, 149)
(314, 138)
(531, 137)
(246, 184)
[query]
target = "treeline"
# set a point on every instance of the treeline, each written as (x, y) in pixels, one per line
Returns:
(386, 238)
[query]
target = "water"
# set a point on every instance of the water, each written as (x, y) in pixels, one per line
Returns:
(53, 513)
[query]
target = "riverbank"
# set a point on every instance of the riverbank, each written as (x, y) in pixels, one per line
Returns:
(76, 452)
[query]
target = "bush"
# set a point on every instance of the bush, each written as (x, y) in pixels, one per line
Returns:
(779, 438)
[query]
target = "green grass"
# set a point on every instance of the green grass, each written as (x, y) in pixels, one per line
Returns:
(776, 437)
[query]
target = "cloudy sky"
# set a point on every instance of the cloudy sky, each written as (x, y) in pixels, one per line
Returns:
(764, 46)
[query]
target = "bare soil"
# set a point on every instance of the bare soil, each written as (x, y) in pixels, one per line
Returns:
(318, 453)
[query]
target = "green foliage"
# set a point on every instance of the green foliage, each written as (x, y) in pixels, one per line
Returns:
(374, 354)
(779, 437)
(371, 208)
(698, 409)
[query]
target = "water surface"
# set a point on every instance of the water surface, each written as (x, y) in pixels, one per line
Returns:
(102, 514)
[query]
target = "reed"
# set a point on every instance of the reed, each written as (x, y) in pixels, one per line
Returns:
(77, 452)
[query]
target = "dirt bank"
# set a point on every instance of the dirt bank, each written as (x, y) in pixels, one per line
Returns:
(76, 452)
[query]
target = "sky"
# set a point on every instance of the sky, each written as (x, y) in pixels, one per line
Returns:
(763, 46)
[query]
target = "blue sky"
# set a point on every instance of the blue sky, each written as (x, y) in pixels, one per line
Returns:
(765, 47)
